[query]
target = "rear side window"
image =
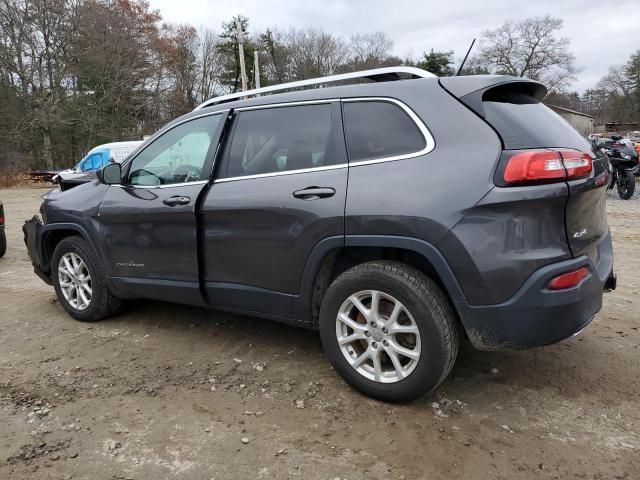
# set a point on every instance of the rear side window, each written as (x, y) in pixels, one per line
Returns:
(280, 139)
(524, 122)
(378, 129)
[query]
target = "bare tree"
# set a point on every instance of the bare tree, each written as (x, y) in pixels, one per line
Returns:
(122, 70)
(275, 55)
(615, 81)
(182, 46)
(621, 88)
(36, 37)
(530, 48)
(369, 50)
(315, 53)
(209, 65)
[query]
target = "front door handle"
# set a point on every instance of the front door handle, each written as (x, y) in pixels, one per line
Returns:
(312, 193)
(176, 200)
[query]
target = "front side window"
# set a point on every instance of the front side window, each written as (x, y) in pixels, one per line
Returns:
(178, 156)
(280, 139)
(379, 129)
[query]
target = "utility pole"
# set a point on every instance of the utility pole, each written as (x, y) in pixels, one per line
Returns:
(243, 69)
(256, 69)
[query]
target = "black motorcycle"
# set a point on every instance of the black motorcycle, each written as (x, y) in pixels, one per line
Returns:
(624, 161)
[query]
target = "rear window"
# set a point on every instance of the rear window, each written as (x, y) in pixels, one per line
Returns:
(524, 122)
(378, 129)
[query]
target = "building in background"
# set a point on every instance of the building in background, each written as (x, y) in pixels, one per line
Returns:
(580, 121)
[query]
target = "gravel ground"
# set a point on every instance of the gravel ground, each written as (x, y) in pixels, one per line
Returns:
(166, 391)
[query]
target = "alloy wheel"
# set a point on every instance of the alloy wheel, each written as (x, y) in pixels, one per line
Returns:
(378, 336)
(74, 280)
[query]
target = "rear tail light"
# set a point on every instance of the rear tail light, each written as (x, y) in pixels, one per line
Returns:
(568, 280)
(578, 164)
(541, 165)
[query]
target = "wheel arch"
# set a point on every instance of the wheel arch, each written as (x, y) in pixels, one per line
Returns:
(53, 234)
(333, 256)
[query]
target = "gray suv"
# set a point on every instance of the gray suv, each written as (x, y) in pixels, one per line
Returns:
(396, 216)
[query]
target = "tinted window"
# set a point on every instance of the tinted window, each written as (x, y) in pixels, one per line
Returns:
(280, 139)
(379, 129)
(524, 122)
(178, 156)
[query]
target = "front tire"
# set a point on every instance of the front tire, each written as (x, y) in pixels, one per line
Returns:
(79, 282)
(3, 243)
(626, 185)
(389, 331)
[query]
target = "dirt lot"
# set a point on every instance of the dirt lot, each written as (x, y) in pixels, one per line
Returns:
(166, 391)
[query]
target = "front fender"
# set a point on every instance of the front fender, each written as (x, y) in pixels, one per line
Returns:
(46, 234)
(37, 238)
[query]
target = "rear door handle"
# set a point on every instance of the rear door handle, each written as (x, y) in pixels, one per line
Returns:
(176, 200)
(312, 193)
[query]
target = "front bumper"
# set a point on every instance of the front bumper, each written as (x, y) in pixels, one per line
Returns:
(536, 316)
(32, 230)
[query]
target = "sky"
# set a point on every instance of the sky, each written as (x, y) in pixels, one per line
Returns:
(602, 32)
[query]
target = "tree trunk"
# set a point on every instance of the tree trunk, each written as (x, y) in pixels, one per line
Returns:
(46, 151)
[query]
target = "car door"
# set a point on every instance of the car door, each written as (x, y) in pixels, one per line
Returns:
(279, 190)
(148, 223)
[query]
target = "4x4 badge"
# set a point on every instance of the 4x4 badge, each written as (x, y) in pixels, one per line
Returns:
(581, 233)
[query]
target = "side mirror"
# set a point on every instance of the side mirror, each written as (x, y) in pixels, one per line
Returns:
(110, 174)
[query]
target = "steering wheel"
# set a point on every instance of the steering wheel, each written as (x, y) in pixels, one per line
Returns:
(186, 173)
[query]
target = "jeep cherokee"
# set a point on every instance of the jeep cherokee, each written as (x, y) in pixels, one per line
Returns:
(395, 216)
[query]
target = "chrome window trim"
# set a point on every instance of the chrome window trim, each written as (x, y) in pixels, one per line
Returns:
(428, 138)
(166, 185)
(287, 104)
(279, 174)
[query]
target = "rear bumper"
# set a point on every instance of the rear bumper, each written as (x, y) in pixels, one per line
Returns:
(536, 316)
(32, 230)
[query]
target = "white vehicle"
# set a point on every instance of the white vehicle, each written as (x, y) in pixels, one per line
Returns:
(85, 170)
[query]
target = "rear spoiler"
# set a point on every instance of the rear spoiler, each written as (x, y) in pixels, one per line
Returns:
(473, 89)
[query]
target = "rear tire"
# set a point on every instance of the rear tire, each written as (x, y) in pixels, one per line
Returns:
(101, 302)
(387, 373)
(626, 185)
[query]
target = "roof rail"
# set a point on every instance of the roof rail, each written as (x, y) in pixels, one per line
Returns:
(376, 74)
